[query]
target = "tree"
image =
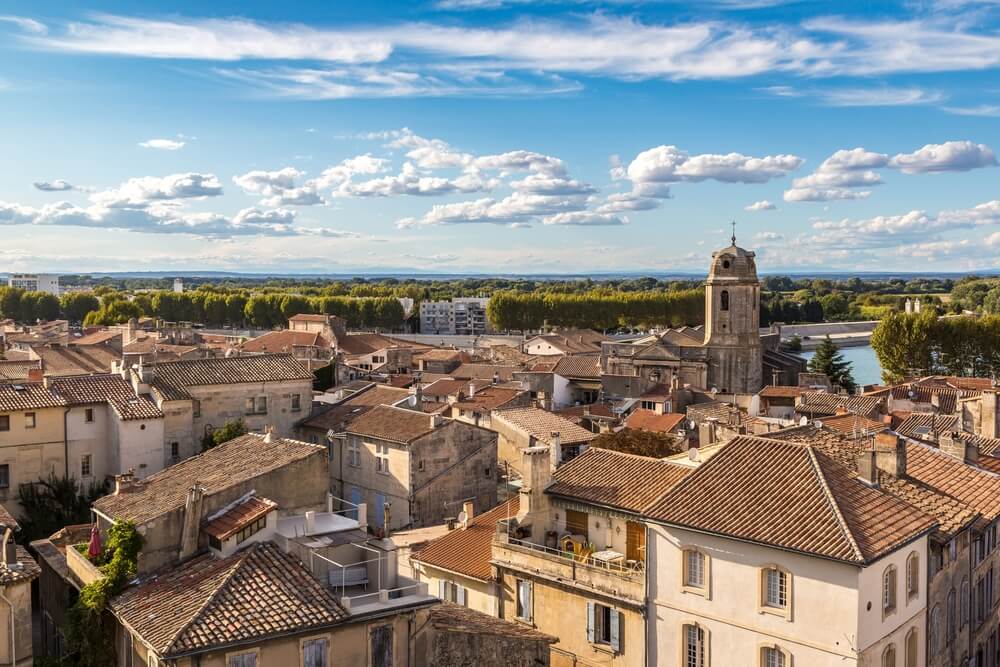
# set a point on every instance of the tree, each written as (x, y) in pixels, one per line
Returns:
(233, 428)
(991, 303)
(794, 344)
(76, 305)
(641, 443)
(829, 361)
(54, 502)
(903, 344)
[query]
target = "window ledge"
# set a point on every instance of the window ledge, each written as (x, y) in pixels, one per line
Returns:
(775, 611)
(694, 590)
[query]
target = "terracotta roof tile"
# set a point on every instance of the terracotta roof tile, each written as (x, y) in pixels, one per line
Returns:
(779, 391)
(258, 592)
(111, 389)
(579, 366)
(818, 404)
(28, 396)
(923, 425)
(82, 360)
(489, 398)
(851, 423)
(29, 570)
(542, 424)
(451, 617)
(794, 497)
(484, 372)
(647, 420)
(467, 551)
(231, 370)
(615, 479)
(284, 341)
(378, 395)
(389, 423)
(239, 515)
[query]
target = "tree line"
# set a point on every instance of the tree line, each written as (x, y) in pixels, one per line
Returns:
(513, 311)
(925, 344)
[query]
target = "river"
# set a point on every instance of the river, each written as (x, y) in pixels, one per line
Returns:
(864, 364)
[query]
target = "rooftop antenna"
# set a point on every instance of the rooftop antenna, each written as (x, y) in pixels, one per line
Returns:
(734, 232)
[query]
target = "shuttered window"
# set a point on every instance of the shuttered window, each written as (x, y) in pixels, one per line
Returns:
(382, 646)
(576, 523)
(314, 652)
(604, 626)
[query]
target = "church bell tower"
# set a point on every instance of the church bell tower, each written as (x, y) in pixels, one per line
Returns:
(732, 321)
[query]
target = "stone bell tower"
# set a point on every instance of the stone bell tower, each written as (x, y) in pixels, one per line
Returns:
(732, 321)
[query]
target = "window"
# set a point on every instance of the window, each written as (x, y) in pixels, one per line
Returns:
(175, 451)
(911, 648)
(775, 588)
(29, 420)
(951, 620)
(248, 659)
(5, 476)
(604, 625)
(4, 422)
(935, 629)
(88, 415)
(256, 406)
(724, 300)
(965, 601)
(451, 592)
(576, 523)
(952, 549)
(353, 454)
(250, 529)
(694, 569)
(524, 608)
(889, 656)
(381, 639)
(382, 458)
(315, 651)
(772, 656)
(296, 402)
(486, 472)
(694, 646)
(86, 466)
(889, 590)
(262, 405)
(912, 575)
(196, 408)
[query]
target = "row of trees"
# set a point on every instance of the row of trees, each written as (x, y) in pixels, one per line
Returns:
(924, 344)
(513, 311)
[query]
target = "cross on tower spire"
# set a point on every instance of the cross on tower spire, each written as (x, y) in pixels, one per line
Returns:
(734, 232)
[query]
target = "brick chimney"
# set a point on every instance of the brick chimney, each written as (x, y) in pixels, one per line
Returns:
(536, 474)
(36, 375)
(469, 509)
(890, 453)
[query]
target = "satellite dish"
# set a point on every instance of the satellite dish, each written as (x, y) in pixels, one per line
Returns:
(463, 517)
(714, 390)
(804, 421)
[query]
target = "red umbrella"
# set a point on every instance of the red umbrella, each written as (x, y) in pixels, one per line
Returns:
(94, 550)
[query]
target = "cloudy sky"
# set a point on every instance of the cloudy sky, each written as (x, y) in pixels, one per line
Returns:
(499, 135)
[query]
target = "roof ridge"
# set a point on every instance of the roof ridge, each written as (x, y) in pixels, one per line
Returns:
(237, 563)
(832, 499)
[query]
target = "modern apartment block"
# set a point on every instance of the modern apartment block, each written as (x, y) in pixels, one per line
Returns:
(35, 282)
(461, 316)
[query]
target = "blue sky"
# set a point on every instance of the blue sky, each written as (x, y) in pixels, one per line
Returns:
(499, 135)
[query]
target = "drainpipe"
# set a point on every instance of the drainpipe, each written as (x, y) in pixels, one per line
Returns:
(13, 643)
(66, 439)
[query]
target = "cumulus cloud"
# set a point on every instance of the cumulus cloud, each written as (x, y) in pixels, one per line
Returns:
(669, 164)
(163, 144)
(411, 181)
(585, 219)
(762, 205)
(949, 156)
(516, 208)
(141, 191)
(282, 188)
(58, 185)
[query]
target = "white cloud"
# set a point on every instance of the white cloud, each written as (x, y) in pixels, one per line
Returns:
(982, 110)
(281, 188)
(824, 194)
(517, 207)
(669, 164)
(762, 205)
(163, 144)
(549, 185)
(410, 181)
(268, 183)
(879, 97)
(58, 185)
(949, 156)
(27, 25)
(585, 219)
(144, 190)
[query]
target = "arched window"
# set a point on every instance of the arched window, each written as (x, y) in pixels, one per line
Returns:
(912, 575)
(965, 601)
(695, 647)
(774, 656)
(935, 629)
(889, 656)
(952, 625)
(889, 590)
(724, 300)
(911, 648)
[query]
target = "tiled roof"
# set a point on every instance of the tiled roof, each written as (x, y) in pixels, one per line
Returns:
(923, 425)
(448, 387)
(111, 389)
(724, 413)
(28, 396)
(439, 355)
(579, 366)
(658, 392)
(366, 343)
(815, 403)
(451, 617)
(7, 519)
(257, 593)
(625, 481)
(29, 570)
(224, 466)
(97, 337)
(231, 370)
(489, 398)
(77, 360)
(484, 372)
(16, 369)
(793, 497)
(466, 551)
(647, 420)
(594, 409)
(543, 424)
(284, 341)
(388, 423)
(780, 391)
(573, 341)
(977, 488)
(309, 317)
(241, 514)
(378, 395)
(952, 515)
(850, 424)
(335, 417)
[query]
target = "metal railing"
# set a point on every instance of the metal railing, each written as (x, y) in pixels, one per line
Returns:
(626, 567)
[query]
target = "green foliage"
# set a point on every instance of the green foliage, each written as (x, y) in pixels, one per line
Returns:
(923, 344)
(794, 344)
(76, 305)
(233, 428)
(54, 502)
(596, 309)
(829, 361)
(903, 344)
(89, 631)
(115, 311)
(641, 443)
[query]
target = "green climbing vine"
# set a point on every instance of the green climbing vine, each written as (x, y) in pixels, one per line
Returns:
(89, 634)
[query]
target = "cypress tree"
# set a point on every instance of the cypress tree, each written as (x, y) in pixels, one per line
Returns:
(830, 361)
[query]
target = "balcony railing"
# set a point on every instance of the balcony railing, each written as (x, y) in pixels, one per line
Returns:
(625, 567)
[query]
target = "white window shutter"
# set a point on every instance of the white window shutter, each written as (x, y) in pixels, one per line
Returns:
(617, 629)
(461, 595)
(530, 605)
(590, 622)
(441, 588)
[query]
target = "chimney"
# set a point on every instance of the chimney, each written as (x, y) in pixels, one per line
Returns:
(774, 377)
(867, 468)
(472, 388)
(191, 527)
(890, 454)
(469, 508)
(268, 434)
(496, 377)
(125, 482)
(556, 445)
(418, 394)
(959, 446)
(36, 375)
(536, 473)
(310, 522)
(436, 420)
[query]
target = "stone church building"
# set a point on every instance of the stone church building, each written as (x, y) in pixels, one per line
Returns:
(728, 353)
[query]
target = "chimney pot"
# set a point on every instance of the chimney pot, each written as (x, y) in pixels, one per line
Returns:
(469, 508)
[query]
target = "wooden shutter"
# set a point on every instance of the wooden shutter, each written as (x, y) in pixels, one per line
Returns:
(381, 639)
(460, 596)
(635, 541)
(576, 523)
(617, 630)
(590, 622)
(442, 588)
(529, 605)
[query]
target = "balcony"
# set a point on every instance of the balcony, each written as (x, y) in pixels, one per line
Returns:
(81, 567)
(619, 580)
